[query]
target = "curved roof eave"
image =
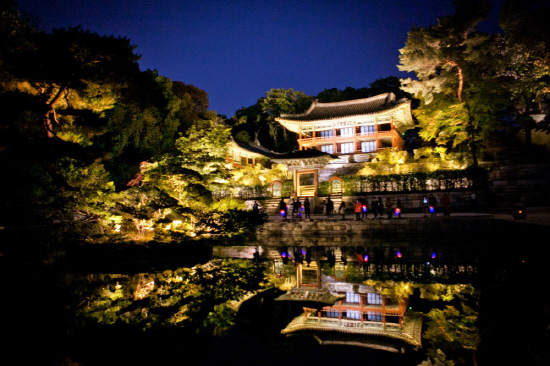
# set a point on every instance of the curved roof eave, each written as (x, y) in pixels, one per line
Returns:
(405, 121)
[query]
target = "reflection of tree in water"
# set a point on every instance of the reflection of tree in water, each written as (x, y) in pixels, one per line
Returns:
(202, 298)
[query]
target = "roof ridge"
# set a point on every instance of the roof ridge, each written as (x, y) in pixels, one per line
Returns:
(388, 98)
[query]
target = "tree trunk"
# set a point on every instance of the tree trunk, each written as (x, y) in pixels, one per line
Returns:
(471, 134)
(49, 115)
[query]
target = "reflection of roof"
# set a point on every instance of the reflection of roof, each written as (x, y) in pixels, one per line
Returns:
(313, 295)
(410, 333)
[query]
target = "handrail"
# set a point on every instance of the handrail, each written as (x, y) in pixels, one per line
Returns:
(339, 138)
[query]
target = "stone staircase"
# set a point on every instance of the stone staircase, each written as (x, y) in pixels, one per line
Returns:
(339, 169)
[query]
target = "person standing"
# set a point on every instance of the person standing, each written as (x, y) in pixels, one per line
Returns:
(364, 209)
(342, 208)
(432, 203)
(399, 206)
(293, 207)
(298, 206)
(282, 208)
(358, 209)
(425, 205)
(329, 207)
(389, 207)
(307, 208)
(374, 206)
(380, 207)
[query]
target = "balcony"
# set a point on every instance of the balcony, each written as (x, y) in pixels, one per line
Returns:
(358, 136)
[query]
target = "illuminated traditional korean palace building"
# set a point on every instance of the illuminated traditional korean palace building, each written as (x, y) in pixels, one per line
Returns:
(357, 127)
(334, 139)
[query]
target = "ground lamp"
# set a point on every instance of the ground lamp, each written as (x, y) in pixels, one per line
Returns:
(397, 212)
(432, 209)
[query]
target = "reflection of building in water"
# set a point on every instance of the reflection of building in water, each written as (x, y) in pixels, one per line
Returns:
(354, 313)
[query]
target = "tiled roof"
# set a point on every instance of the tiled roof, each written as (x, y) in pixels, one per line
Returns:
(256, 148)
(324, 111)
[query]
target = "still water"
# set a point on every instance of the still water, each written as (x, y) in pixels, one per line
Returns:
(299, 301)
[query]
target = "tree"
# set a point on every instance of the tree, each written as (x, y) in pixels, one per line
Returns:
(145, 117)
(72, 64)
(448, 61)
(259, 119)
(524, 55)
(283, 101)
(194, 104)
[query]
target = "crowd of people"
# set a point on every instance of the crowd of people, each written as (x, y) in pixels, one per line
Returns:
(362, 207)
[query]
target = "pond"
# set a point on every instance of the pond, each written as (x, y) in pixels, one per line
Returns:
(303, 300)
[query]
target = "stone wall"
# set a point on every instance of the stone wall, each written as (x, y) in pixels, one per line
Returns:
(526, 183)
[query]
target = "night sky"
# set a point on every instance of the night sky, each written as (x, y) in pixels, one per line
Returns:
(238, 50)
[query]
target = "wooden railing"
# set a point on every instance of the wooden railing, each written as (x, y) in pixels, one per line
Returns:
(328, 139)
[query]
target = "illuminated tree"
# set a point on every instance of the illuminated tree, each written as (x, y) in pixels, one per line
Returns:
(449, 61)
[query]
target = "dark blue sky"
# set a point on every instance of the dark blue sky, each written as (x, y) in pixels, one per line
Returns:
(238, 50)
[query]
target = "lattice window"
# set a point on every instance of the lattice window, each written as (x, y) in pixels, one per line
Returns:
(368, 146)
(347, 148)
(352, 297)
(367, 130)
(374, 299)
(374, 317)
(328, 149)
(346, 132)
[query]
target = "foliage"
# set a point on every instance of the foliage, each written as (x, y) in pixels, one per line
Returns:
(449, 61)
(257, 175)
(454, 331)
(438, 360)
(259, 119)
(196, 299)
(393, 161)
(438, 291)
(524, 54)
(390, 84)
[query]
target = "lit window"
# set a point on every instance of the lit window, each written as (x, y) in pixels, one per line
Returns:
(325, 134)
(374, 299)
(353, 314)
(346, 132)
(347, 148)
(352, 297)
(374, 317)
(368, 146)
(332, 313)
(328, 149)
(367, 130)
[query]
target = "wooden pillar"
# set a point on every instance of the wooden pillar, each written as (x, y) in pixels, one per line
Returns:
(376, 134)
(361, 307)
(384, 311)
(300, 140)
(355, 139)
(334, 146)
